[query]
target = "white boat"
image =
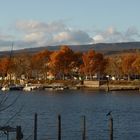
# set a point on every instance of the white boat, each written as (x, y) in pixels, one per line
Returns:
(55, 87)
(5, 88)
(29, 87)
(58, 88)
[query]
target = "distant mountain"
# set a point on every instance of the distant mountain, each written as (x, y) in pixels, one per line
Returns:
(106, 48)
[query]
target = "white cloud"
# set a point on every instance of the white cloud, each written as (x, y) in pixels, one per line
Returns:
(36, 26)
(54, 33)
(112, 35)
(72, 37)
(33, 37)
(98, 38)
(34, 34)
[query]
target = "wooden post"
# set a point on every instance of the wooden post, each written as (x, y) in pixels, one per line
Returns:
(19, 134)
(35, 126)
(83, 128)
(59, 127)
(107, 89)
(111, 127)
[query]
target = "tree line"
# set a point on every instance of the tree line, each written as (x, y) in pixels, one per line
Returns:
(65, 62)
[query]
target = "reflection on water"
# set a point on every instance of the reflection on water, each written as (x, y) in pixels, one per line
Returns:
(72, 105)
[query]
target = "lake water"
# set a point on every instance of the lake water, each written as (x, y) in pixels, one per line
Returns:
(72, 105)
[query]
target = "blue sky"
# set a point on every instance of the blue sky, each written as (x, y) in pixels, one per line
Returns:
(34, 23)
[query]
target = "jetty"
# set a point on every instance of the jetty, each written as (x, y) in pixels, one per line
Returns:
(111, 86)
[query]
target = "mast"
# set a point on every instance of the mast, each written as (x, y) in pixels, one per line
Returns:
(8, 66)
(9, 63)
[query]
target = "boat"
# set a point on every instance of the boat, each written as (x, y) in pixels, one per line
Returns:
(55, 87)
(12, 87)
(15, 87)
(30, 87)
(7, 85)
(5, 88)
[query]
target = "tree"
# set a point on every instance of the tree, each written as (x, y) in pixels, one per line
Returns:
(40, 62)
(61, 61)
(22, 65)
(93, 63)
(127, 64)
(4, 64)
(114, 66)
(88, 63)
(136, 65)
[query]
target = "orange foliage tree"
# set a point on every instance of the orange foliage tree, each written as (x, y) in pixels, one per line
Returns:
(4, 66)
(93, 63)
(127, 64)
(136, 65)
(39, 63)
(22, 65)
(62, 61)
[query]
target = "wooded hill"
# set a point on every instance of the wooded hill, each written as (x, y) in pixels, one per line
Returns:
(105, 48)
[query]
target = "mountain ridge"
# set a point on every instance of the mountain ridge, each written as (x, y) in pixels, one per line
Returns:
(106, 48)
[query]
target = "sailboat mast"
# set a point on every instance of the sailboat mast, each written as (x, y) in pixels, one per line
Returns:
(11, 52)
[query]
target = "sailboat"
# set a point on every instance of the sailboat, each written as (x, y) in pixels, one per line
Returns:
(9, 85)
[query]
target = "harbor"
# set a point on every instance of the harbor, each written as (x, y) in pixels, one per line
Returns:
(65, 85)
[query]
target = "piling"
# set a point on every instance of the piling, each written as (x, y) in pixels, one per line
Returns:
(83, 128)
(19, 134)
(59, 127)
(107, 88)
(111, 127)
(35, 126)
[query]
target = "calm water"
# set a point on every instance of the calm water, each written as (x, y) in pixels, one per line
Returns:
(72, 105)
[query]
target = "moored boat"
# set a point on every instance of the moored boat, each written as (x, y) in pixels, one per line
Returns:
(30, 87)
(12, 87)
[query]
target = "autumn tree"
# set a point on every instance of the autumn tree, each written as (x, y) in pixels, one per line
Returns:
(93, 63)
(4, 64)
(136, 64)
(75, 64)
(22, 65)
(6, 69)
(62, 61)
(88, 63)
(39, 63)
(127, 64)
(114, 66)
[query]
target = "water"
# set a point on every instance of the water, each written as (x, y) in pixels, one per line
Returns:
(72, 105)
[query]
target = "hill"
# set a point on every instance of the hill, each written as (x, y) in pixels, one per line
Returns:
(106, 48)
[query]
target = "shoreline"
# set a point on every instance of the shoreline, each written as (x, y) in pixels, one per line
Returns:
(87, 84)
(112, 85)
(119, 87)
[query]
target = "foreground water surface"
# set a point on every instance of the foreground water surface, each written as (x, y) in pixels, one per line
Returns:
(72, 105)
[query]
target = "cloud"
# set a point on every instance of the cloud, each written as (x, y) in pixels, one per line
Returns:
(112, 35)
(35, 34)
(5, 41)
(36, 26)
(54, 33)
(132, 31)
(72, 37)
(98, 38)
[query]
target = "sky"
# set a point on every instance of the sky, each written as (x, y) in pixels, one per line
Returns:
(35, 23)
